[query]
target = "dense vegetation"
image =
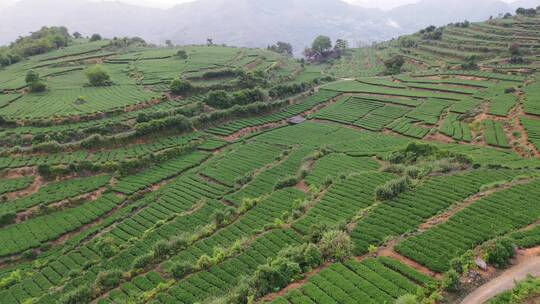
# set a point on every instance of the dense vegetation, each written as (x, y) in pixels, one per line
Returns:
(133, 173)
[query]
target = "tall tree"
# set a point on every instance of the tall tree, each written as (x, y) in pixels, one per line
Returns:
(341, 47)
(321, 45)
(282, 48)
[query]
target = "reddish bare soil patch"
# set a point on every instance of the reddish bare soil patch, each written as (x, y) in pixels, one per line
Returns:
(302, 186)
(439, 137)
(33, 188)
(524, 147)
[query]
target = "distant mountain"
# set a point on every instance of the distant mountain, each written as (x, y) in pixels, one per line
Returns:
(109, 18)
(525, 4)
(251, 23)
(437, 12)
(255, 23)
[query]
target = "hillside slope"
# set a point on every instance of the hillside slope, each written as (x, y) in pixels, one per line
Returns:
(210, 174)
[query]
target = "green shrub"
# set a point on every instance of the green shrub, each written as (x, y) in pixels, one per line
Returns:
(464, 263)
(413, 172)
(181, 54)
(274, 276)
(37, 87)
(7, 218)
(181, 87)
(450, 280)
(317, 230)
(142, 261)
(244, 179)
(161, 250)
(307, 256)
(499, 252)
(81, 295)
(393, 188)
(29, 254)
(97, 76)
(336, 245)
(106, 247)
(286, 182)
(407, 299)
(492, 185)
(34, 83)
(107, 280)
(394, 168)
(181, 269)
(13, 278)
(95, 37)
(204, 262)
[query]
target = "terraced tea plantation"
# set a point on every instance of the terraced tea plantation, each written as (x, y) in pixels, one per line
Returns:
(214, 174)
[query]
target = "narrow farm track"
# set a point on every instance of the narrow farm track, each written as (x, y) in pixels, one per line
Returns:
(388, 251)
(528, 264)
(523, 141)
(33, 188)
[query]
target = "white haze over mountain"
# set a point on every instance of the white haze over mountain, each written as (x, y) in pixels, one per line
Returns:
(382, 4)
(251, 23)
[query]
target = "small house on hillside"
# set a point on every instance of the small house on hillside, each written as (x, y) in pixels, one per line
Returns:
(295, 120)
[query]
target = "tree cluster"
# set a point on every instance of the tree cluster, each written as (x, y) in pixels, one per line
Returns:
(39, 42)
(464, 24)
(95, 37)
(182, 55)
(516, 54)
(251, 79)
(407, 42)
(526, 11)
(394, 65)
(284, 90)
(498, 252)
(289, 265)
(34, 82)
(126, 42)
(173, 123)
(432, 33)
(222, 73)
(282, 48)
(97, 76)
(181, 87)
(321, 49)
(222, 100)
(470, 63)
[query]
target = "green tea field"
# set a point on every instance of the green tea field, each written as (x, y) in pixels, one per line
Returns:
(133, 173)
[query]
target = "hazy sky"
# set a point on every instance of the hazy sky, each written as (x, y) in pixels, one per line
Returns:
(385, 4)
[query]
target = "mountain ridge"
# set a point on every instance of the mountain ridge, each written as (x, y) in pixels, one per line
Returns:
(249, 23)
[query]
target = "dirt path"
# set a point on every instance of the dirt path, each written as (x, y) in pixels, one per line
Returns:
(528, 262)
(524, 146)
(388, 251)
(445, 216)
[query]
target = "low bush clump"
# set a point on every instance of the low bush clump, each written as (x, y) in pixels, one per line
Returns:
(393, 188)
